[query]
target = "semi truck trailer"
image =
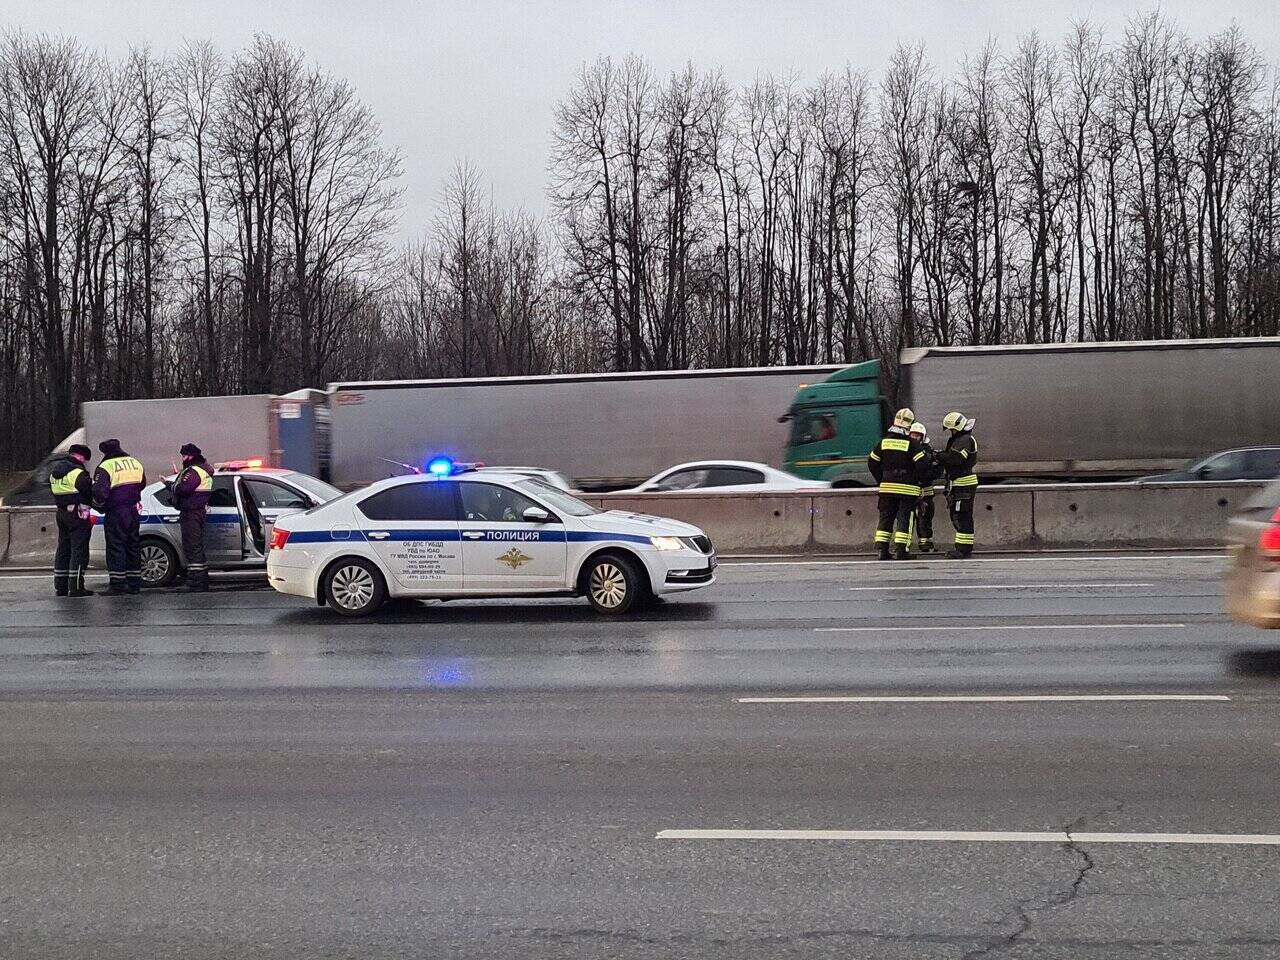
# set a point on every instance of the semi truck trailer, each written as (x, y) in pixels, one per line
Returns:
(1053, 411)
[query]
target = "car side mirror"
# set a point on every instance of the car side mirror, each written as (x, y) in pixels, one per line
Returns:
(536, 515)
(1204, 473)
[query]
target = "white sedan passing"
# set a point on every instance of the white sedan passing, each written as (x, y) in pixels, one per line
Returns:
(461, 533)
(738, 476)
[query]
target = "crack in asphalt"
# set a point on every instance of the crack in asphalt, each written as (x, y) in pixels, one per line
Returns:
(1023, 912)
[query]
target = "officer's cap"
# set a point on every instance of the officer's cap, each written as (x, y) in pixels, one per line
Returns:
(109, 446)
(80, 450)
(190, 450)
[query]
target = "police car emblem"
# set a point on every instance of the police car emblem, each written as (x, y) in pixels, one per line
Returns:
(514, 559)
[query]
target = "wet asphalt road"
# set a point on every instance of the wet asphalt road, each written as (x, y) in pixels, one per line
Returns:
(242, 774)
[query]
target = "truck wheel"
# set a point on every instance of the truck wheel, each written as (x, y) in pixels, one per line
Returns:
(611, 584)
(354, 588)
(159, 563)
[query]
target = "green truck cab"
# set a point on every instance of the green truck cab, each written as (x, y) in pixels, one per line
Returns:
(834, 425)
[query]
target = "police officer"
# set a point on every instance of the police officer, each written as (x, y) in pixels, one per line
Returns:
(960, 460)
(192, 489)
(930, 473)
(73, 494)
(895, 463)
(117, 492)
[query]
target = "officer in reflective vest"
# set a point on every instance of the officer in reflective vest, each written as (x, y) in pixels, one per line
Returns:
(960, 461)
(191, 491)
(897, 465)
(117, 492)
(73, 493)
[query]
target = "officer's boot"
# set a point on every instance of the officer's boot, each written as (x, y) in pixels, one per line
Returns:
(78, 588)
(959, 553)
(900, 553)
(197, 581)
(884, 552)
(926, 546)
(59, 583)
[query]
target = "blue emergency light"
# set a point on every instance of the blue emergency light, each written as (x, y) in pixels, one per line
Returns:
(440, 466)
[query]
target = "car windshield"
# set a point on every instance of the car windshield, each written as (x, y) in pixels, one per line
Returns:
(318, 489)
(556, 498)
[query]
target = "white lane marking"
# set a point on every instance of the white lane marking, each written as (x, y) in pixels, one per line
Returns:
(1004, 586)
(1042, 558)
(1019, 698)
(978, 836)
(936, 628)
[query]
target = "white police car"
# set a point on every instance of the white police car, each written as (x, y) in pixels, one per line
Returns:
(457, 533)
(247, 500)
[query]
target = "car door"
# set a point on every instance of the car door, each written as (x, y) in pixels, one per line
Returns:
(503, 552)
(272, 500)
(413, 530)
(223, 531)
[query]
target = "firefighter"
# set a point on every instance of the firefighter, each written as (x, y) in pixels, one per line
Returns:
(895, 463)
(192, 489)
(73, 493)
(959, 460)
(930, 471)
(117, 492)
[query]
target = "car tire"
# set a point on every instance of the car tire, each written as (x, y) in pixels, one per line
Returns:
(354, 587)
(612, 584)
(160, 567)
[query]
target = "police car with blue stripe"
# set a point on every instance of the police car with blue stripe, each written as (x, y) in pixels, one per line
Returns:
(246, 501)
(454, 532)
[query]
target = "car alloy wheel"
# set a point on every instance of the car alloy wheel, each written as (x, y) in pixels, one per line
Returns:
(352, 587)
(608, 585)
(159, 564)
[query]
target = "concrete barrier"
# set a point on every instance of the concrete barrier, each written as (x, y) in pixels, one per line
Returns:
(1007, 517)
(1139, 515)
(29, 537)
(742, 523)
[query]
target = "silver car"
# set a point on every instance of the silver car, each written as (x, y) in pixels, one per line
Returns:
(1253, 583)
(243, 508)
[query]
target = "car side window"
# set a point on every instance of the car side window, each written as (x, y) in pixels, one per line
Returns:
(733, 477)
(224, 492)
(425, 501)
(1264, 464)
(684, 479)
(274, 496)
(813, 428)
(489, 502)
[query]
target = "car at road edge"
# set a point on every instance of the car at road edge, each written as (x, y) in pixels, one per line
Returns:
(732, 476)
(486, 535)
(1253, 581)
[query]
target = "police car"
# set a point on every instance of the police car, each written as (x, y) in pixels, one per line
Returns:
(246, 501)
(455, 532)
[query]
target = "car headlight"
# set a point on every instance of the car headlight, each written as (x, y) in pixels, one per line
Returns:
(667, 543)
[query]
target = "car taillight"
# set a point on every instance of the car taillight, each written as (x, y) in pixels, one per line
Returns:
(1269, 542)
(279, 538)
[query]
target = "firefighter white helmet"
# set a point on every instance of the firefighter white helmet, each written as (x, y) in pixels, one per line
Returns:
(904, 418)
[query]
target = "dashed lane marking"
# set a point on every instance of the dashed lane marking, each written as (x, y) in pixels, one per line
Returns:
(1018, 698)
(979, 836)
(939, 628)
(1062, 584)
(1041, 558)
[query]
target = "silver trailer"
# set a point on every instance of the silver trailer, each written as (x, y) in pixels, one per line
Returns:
(602, 430)
(225, 428)
(1101, 409)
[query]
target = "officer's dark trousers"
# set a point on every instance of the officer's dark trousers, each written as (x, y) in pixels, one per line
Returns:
(192, 523)
(924, 520)
(962, 520)
(896, 513)
(124, 549)
(72, 555)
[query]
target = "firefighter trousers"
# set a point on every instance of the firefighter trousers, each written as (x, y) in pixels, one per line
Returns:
(897, 515)
(72, 554)
(962, 520)
(192, 524)
(924, 520)
(124, 549)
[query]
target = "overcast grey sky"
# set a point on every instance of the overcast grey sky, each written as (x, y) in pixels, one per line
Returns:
(451, 79)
